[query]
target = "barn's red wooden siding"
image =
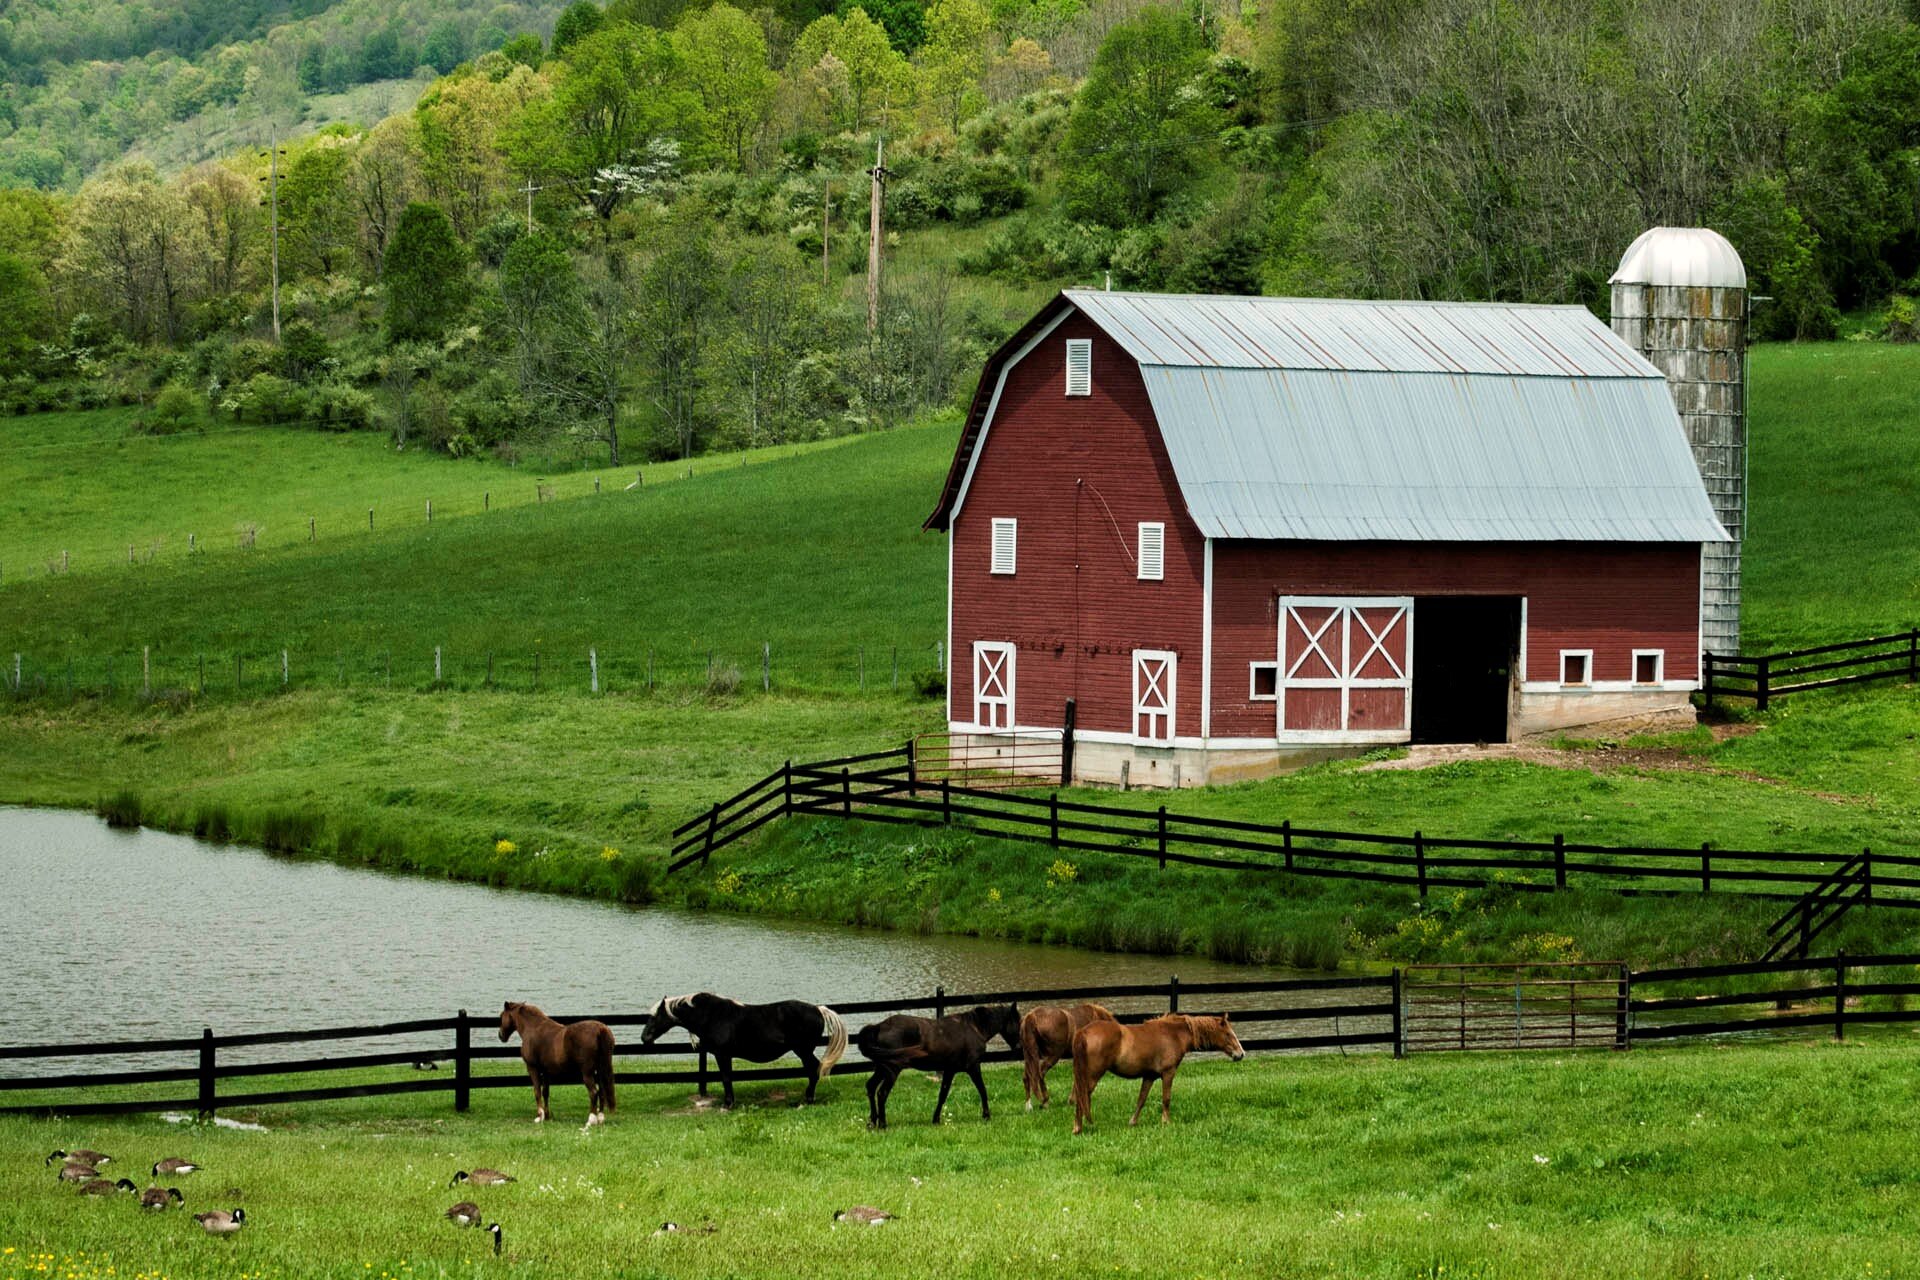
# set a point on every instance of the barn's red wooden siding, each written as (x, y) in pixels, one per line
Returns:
(1074, 606)
(1610, 598)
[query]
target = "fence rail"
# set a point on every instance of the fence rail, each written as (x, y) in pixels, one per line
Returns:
(887, 786)
(1841, 1001)
(1285, 1014)
(1767, 676)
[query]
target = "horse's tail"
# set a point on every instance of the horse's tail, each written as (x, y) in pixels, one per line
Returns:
(836, 1028)
(1082, 1077)
(603, 1064)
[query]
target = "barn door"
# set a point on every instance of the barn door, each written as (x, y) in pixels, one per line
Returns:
(1153, 674)
(1346, 668)
(993, 684)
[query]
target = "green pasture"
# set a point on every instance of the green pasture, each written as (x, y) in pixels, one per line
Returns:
(1783, 1160)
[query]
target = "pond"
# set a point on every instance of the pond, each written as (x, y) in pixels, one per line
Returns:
(142, 934)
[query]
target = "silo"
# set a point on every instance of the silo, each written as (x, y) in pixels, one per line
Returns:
(1680, 299)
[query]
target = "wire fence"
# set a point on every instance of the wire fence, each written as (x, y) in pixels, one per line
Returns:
(153, 673)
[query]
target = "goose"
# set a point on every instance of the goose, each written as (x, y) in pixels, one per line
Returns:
(74, 1172)
(863, 1213)
(464, 1214)
(104, 1187)
(493, 1229)
(93, 1159)
(161, 1198)
(221, 1222)
(482, 1178)
(174, 1164)
(672, 1228)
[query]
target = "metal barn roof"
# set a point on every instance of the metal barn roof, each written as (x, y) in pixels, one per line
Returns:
(1460, 422)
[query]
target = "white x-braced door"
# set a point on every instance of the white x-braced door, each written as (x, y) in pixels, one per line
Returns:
(1153, 689)
(993, 684)
(1346, 668)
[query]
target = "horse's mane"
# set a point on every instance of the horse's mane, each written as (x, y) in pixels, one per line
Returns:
(672, 1005)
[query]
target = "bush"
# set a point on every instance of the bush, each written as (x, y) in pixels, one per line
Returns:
(342, 408)
(174, 410)
(1903, 320)
(267, 397)
(724, 680)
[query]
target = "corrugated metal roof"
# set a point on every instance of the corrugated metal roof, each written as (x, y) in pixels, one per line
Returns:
(1381, 337)
(1338, 455)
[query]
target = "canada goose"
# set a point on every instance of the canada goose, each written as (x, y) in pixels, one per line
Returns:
(104, 1187)
(174, 1164)
(674, 1228)
(863, 1213)
(464, 1214)
(493, 1229)
(75, 1172)
(161, 1198)
(482, 1178)
(92, 1159)
(221, 1222)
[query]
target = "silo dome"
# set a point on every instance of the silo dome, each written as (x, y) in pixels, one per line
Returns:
(1683, 256)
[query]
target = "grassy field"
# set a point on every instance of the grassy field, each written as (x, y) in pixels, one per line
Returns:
(1785, 1160)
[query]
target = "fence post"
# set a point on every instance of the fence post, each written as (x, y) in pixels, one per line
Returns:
(1622, 1026)
(1840, 996)
(1163, 837)
(940, 656)
(1173, 993)
(786, 787)
(1913, 656)
(369, 519)
(846, 793)
(436, 664)
(939, 1002)
(593, 671)
(713, 820)
(284, 669)
(1066, 743)
(462, 1062)
(489, 668)
(1286, 840)
(1866, 876)
(1559, 860)
(703, 1073)
(1399, 1028)
(146, 672)
(946, 802)
(913, 771)
(1706, 662)
(206, 1073)
(1763, 678)
(310, 529)
(766, 666)
(1420, 861)
(1706, 867)
(1053, 819)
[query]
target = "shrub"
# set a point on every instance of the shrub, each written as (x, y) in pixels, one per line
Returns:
(724, 680)
(1903, 320)
(174, 409)
(929, 684)
(268, 397)
(122, 809)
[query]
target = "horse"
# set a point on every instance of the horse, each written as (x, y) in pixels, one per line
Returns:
(566, 1053)
(1046, 1036)
(949, 1045)
(1153, 1048)
(757, 1032)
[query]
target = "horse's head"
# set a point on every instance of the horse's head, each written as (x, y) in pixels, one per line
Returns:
(1001, 1020)
(1217, 1033)
(509, 1019)
(660, 1019)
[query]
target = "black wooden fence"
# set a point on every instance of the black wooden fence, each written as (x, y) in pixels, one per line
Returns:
(885, 786)
(1833, 991)
(1774, 675)
(1273, 1015)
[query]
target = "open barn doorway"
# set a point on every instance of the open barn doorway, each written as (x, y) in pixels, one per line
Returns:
(1464, 650)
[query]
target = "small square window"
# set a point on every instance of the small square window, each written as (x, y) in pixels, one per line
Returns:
(1079, 366)
(1649, 666)
(1265, 681)
(1005, 540)
(1576, 667)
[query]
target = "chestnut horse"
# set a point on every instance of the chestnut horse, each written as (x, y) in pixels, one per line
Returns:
(1046, 1036)
(949, 1045)
(563, 1053)
(1153, 1048)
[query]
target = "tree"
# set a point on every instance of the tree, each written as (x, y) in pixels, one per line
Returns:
(134, 246)
(539, 292)
(319, 228)
(724, 58)
(904, 21)
(677, 298)
(464, 124)
(444, 48)
(425, 275)
(854, 64)
(592, 353)
(1137, 124)
(775, 322)
(384, 179)
(228, 207)
(953, 61)
(24, 301)
(578, 21)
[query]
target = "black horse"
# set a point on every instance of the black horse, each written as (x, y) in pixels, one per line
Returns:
(948, 1045)
(757, 1032)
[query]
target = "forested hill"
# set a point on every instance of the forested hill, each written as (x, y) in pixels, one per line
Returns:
(513, 227)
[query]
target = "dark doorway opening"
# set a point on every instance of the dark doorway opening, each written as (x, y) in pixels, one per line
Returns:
(1464, 650)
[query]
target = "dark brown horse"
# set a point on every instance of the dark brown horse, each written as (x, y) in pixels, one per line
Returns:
(1046, 1036)
(1151, 1049)
(948, 1045)
(756, 1032)
(562, 1053)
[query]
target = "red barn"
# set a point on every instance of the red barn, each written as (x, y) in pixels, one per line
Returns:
(1243, 533)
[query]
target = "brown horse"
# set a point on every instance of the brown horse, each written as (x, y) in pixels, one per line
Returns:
(949, 1045)
(1046, 1036)
(1151, 1049)
(563, 1053)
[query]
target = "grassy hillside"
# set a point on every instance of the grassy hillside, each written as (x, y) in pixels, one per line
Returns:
(1670, 1163)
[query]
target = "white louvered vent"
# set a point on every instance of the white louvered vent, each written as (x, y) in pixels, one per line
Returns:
(1153, 552)
(1079, 366)
(1004, 538)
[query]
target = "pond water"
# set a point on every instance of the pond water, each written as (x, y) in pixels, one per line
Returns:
(146, 935)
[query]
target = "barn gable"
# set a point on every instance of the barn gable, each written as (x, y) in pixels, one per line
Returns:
(1343, 420)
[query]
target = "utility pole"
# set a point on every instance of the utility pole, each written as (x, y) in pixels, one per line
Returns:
(528, 191)
(273, 202)
(880, 174)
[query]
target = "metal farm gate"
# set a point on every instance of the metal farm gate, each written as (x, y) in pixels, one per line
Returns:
(1509, 1006)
